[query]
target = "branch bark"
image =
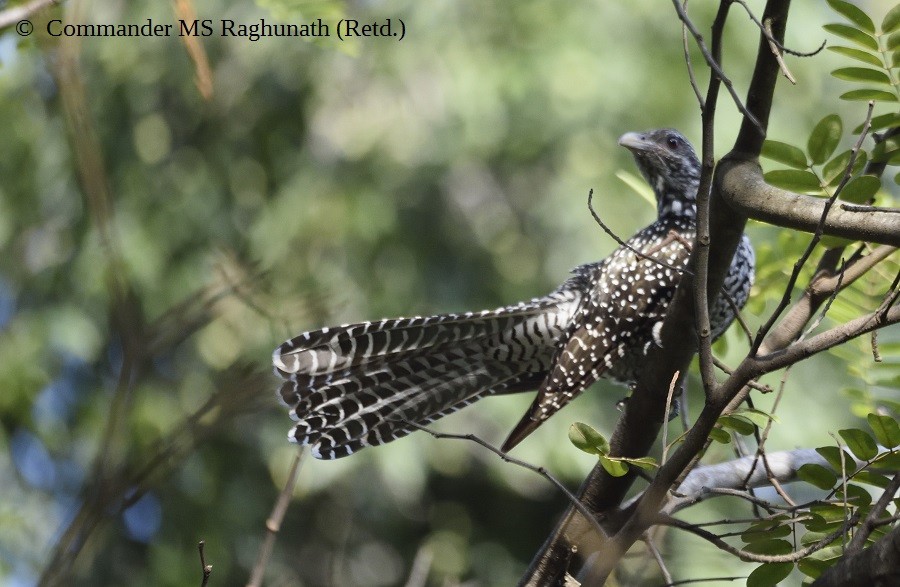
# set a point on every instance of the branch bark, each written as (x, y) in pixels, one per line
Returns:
(740, 181)
(878, 565)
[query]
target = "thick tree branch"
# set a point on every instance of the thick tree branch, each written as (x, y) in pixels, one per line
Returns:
(874, 516)
(740, 181)
(877, 566)
(823, 285)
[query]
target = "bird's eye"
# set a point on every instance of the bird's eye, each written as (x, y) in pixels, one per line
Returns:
(672, 142)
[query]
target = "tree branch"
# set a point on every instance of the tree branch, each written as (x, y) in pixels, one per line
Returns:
(878, 565)
(753, 557)
(741, 183)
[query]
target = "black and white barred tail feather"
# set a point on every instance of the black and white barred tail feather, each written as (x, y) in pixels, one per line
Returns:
(362, 384)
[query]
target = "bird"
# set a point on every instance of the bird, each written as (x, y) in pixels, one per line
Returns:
(366, 384)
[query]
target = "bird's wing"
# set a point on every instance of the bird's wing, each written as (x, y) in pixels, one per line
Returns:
(627, 303)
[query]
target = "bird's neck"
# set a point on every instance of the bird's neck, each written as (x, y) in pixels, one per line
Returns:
(671, 201)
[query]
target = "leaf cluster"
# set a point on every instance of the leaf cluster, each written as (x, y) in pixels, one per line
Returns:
(876, 48)
(589, 440)
(844, 479)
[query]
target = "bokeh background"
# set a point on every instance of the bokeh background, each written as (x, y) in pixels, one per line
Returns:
(326, 182)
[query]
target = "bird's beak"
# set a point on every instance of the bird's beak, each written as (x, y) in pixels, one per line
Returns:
(634, 141)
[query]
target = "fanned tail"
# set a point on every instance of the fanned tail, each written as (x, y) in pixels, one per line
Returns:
(363, 384)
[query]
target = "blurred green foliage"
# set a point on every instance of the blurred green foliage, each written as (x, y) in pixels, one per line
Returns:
(328, 182)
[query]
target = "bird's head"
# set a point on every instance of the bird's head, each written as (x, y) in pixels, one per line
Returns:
(669, 164)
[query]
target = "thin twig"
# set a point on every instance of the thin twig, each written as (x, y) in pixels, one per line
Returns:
(651, 546)
(715, 68)
(843, 472)
(767, 32)
(207, 569)
(865, 208)
(761, 387)
(876, 354)
(665, 426)
(828, 302)
(752, 556)
(273, 524)
(687, 61)
(622, 243)
(704, 580)
(764, 436)
(582, 509)
(869, 523)
(776, 51)
(738, 316)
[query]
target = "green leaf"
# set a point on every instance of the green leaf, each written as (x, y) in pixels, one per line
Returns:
(860, 443)
(758, 417)
(858, 54)
(739, 424)
(834, 170)
(765, 531)
(869, 94)
(886, 430)
(891, 20)
(853, 34)
(862, 74)
(720, 435)
(817, 475)
(889, 120)
(769, 574)
(585, 438)
(830, 553)
(794, 180)
(813, 537)
(887, 462)
(893, 41)
(829, 512)
(856, 496)
(860, 189)
(812, 520)
(886, 151)
(832, 454)
(853, 14)
(870, 478)
(812, 567)
(824, 138)
(784, 153)
(614, 467)
(639, 186)
(645, 463)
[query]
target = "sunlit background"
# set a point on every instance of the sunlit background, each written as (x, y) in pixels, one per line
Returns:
(327, 182)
